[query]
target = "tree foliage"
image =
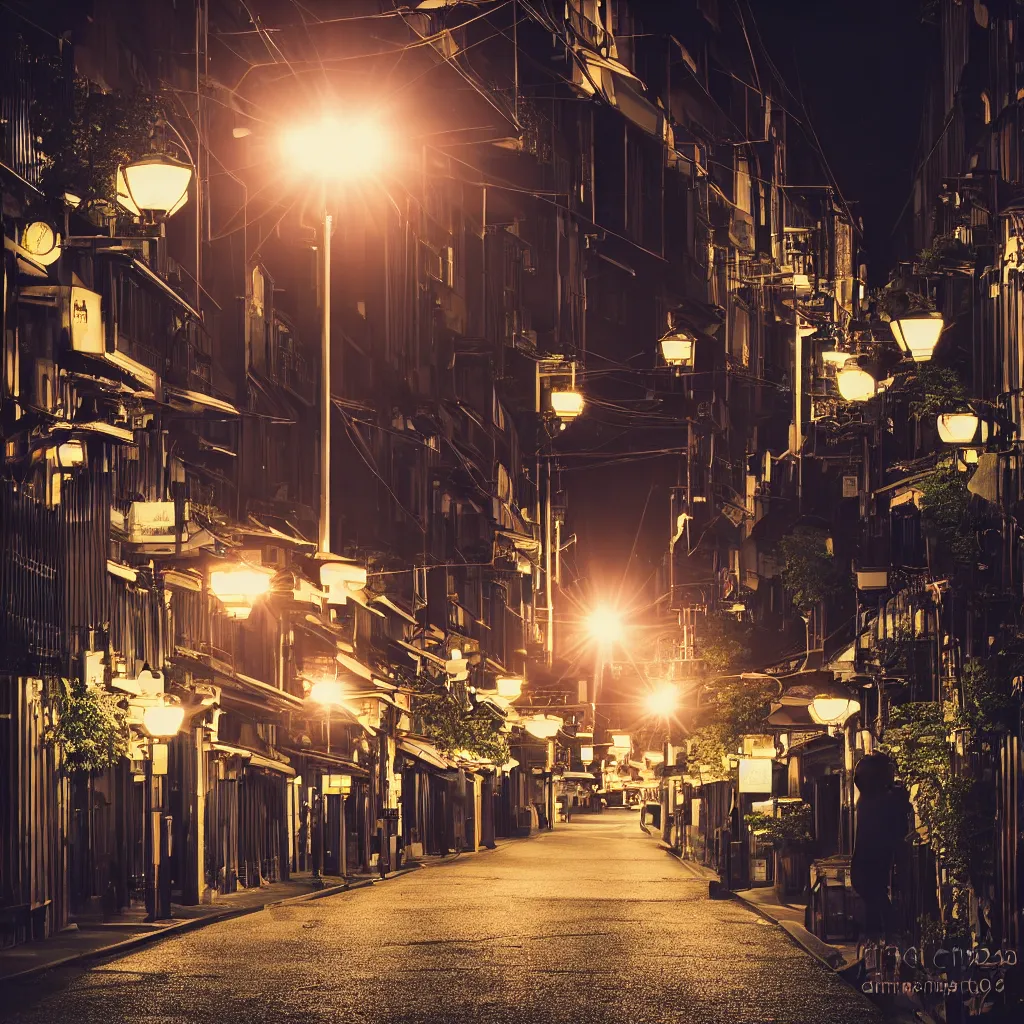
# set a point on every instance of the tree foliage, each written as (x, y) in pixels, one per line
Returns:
(86, 134)
(793, 827)
(945, 505)
(722, 643)
(932, 389)
(452, 727)
(90, 726)
(810, 573)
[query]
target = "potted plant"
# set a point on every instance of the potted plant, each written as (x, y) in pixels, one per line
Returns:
(789, 834)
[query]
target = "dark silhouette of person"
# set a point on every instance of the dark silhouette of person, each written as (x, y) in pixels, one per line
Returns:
(883, 812)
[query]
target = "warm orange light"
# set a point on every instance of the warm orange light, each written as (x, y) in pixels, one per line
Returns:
(605, 624)
(663, 701)
(339, 149)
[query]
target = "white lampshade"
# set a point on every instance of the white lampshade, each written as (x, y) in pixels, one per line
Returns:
(566, 405)
(833, 357)
(162, 721)
(677, 348)
(543, 727)
(586, 754)
(509, 687)
(158, 183)
(918, 335)
(957, 427)
(855, 384)
(827, 709)
(327, 691)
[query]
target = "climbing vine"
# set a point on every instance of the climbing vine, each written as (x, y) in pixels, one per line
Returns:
(453, 727)
(946, 517)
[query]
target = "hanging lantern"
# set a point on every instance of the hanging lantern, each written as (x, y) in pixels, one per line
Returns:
(957, 427)
(918, 334)
(157, 184)
(677, 349)
(509, 687)
(587, 754)
(855, 384)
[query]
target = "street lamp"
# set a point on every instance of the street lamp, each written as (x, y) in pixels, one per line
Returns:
(663, 702)
(957, 427)
(333, 151)
(567, 404)
(238, 587)
(855, 384)
(605, 625)
(156, 184)
(833, 704)
(162, 721)
(328, 693)
(917, 334)
(677, 349)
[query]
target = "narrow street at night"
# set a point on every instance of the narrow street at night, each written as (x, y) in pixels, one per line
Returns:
(594, 922)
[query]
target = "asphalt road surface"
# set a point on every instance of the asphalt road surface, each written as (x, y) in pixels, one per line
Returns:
(591, 923)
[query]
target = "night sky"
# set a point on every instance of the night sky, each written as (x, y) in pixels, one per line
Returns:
(857, 68)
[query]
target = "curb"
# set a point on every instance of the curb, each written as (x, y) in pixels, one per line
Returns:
(116, 949)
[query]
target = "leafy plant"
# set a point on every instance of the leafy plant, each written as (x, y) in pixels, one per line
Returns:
(945, 505)
(721, 643)
(895, 301)
(452, 728)
(811, 574)
(932, 389)
(793, 827)
(87, 138)
(987, 700)
(90, 726)
(945, 251)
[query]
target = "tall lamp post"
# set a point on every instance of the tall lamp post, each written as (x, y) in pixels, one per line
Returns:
(664, 702)
(331, 152)
(328, 693)
(162, 721)
(604, 624)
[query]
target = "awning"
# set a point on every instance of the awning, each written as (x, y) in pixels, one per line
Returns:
(132, 259)
(425, 751)
(622, 90)
(420, 653)
(526, 545)
(256, 760)
(578, 777)
(320, 757)
(397, 609)
(182, 396)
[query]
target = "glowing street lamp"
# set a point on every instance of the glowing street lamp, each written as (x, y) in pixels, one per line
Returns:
(605, 625)
(587, 754)
(917, 334)
(336, 149)
(855, 384)
(678, 348)
(238, 587)
(329, 692)
(332, 151)
(663, 701)
(833, 705)
(163, 721)
(156, 184)
(957, 427)
(509, 687)
(567, 403)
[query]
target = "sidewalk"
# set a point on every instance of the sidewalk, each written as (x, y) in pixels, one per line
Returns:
(788, 916)
(89, 938)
